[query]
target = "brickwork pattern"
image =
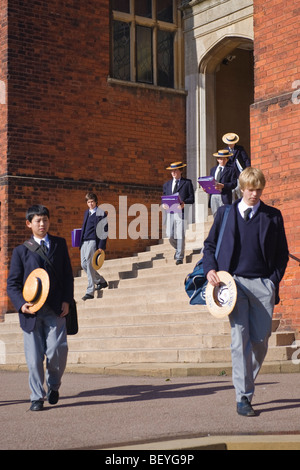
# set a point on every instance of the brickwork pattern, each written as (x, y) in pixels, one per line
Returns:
(70, 129)
(275, 131)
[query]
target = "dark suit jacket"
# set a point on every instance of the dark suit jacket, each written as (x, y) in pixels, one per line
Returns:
(272, 242)
(229, 179)
(23, 262)
(102, 218)
(240, 155)
(186, 190)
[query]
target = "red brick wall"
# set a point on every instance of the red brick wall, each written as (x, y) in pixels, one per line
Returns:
(3, 153)
(71, 129)
(275, 129)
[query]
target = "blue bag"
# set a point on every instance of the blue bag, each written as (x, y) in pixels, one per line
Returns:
(195, 283)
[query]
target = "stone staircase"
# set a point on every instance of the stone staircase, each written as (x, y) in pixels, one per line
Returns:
(144, 319)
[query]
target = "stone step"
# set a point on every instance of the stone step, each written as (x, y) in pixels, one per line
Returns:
(198, 356)
(137, 298)
(163, 336)
(114, 270)
(176, 272)
(178, 355)
(145, 317)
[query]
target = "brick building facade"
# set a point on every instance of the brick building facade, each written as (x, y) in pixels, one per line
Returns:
(275, 130)
(67, 127)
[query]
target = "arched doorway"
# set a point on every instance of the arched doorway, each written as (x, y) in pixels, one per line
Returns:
(226, 91)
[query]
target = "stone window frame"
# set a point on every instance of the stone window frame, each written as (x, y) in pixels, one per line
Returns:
(155, 25)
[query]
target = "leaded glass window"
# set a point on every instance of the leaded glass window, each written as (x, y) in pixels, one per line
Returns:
(144, 54)
(165, 59)
(146, 44)
(143, 8)
(121, 53)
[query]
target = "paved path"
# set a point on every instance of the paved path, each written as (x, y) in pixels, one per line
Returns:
(100, 412)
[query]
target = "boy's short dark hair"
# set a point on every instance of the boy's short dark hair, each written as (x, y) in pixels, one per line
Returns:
(36, 209)
(92, 196)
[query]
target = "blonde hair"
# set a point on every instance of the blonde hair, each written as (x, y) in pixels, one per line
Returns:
(252, 178)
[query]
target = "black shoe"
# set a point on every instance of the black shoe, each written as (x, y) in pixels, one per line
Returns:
(53, 396)
(179, 261)
(87, 296)
(37, 405)
(101, 285)
(244, 407)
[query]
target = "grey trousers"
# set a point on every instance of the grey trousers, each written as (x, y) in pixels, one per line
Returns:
(48, 339)
(175, 233)
(87, 251)
(251, 327)
(215, 203)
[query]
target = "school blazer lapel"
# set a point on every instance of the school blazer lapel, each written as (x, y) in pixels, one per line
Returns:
(53, 246)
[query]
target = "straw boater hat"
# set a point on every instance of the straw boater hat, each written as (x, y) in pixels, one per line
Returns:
(36, 289)
(220, 300)
(230, 138)
(98, 259)
(176, 165)
(223, 153)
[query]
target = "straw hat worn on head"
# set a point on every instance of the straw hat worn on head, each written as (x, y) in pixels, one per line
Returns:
(220, 300)
(223, 153)
(176, 165)
(36, 289)
(230, 138)
(98, 259)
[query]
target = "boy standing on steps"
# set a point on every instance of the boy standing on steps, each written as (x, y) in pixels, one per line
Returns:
(254, 251)
(175, 222)
(92, 239)
(45, 330)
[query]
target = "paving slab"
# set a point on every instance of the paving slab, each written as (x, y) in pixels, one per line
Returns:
(105, 412)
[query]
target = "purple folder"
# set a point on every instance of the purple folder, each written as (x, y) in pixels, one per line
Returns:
(208, 184)
(76, 234)
(173, 202)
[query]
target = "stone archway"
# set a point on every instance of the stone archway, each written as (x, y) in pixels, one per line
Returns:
(225, 94)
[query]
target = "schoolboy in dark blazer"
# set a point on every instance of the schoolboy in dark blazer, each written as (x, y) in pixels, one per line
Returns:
(93, 237)
(175, 221)
(239, 158)
(254, 251)
(44, 331)
(226, 181)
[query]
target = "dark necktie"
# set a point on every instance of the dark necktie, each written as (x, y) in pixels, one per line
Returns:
(44, 247)
(219, 174)
(247, 214)
(175, 190)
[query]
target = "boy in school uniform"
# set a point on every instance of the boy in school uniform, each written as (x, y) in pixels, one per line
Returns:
(175, 222)
(254, 251)
(226, 180)
(44, 330)
(90, 241)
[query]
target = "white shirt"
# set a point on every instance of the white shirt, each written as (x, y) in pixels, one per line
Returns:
(243, 206)
(46, 240)
(92, 211)
(174, 182)
(219, 167)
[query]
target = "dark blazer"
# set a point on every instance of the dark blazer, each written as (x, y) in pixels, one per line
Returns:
(229, 179)
(272, 242)
(240, 155)
(186, 190)
(24, 261)
(100, 217)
